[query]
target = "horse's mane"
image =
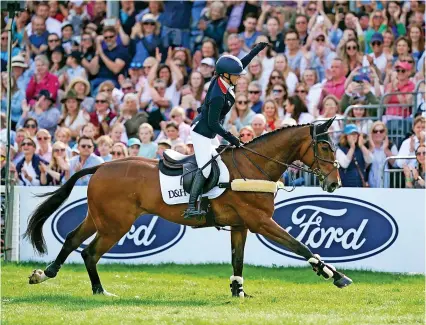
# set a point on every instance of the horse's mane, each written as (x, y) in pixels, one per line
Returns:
(266, 136)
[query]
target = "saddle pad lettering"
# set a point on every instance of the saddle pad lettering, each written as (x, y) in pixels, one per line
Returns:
(173, 193)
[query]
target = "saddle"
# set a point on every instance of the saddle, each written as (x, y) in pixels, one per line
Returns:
(177, 164)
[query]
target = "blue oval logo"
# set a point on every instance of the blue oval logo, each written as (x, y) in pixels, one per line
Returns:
(338, 228)
(149, 235)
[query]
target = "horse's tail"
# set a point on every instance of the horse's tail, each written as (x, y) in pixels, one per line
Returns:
(35, 224)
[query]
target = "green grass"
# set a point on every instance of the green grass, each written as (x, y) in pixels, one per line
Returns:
(199, 294)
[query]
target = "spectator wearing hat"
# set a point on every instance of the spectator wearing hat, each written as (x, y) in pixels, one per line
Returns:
(206, 68)
(52, 25)
(85, 159)
(378, 57)
(148, 148)
(82, 88)
(144, 38)
(353, 157)
(133, 145)
(28, 168)
(18, 95)
(46, 114)
(42, 80)
(38, 39)
(74, 66)
(162, 146)
(73, 116)
(67, 34)
(399, 82)
(20, 71)
(111, 61)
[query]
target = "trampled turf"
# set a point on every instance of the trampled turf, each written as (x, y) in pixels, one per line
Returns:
(199, 294)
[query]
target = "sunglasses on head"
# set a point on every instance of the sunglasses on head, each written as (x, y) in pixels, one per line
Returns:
(379, 131)
(88, 146)
(116, 153)
(59, 150)
(42, 138)
(27, 144)
(98, 101)
(254, 92)
(421, 153)
(31, 126)
(242, 102)
(401, 70)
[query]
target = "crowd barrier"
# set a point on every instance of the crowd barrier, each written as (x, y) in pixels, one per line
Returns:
(374, 229)
(393, 177)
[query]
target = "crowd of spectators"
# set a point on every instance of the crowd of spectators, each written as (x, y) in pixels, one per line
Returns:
(88, 87)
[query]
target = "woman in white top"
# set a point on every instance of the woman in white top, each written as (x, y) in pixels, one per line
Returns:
(281, 64)
(381, 148)
(255, 72)
(73, 117)
(296, 109)
(331, 108)
(310, 78)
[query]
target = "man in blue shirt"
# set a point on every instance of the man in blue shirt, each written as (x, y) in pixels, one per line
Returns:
(111, 61)
(175, 29)
(85, 159)
(38, 39)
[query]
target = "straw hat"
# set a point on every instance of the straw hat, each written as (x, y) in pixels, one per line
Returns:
(79, 79)
(19, 61)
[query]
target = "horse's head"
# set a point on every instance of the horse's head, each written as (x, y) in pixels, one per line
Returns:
(320, 156)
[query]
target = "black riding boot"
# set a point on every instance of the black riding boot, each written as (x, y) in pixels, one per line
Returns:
(196, 190)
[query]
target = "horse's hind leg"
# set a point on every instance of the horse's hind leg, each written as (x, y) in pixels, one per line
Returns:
(238, 242)
(271, 230)
(93, 252)
(74, 239)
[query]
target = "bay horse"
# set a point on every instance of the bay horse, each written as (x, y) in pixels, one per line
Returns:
(122, 190)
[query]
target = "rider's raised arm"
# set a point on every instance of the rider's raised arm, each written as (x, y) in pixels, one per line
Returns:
(247, 59)
(213, 120)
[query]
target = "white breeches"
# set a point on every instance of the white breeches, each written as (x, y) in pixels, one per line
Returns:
(203, 149)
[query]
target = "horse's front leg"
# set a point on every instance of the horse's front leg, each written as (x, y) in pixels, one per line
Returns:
(271, 230)
(238, 242)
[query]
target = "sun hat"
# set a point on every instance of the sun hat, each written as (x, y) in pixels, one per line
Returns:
(19, 61)
(76, 80)
(71, 94)
(350, 128)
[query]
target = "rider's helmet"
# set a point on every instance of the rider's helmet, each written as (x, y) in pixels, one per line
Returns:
(229, 64)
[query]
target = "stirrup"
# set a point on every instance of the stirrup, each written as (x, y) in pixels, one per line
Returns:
(194, 213)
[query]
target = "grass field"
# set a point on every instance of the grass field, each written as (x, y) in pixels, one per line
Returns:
(189, 294)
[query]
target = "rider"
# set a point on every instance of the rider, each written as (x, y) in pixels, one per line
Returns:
(219, 100)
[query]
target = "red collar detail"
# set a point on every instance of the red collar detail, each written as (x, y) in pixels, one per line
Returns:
(222, 86)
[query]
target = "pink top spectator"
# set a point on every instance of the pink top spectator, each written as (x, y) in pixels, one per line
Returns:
(407, 86)
(336, 88)
(50, 82)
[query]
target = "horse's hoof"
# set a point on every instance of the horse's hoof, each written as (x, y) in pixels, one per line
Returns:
(37, 277)
(344, 281)
(104, 293)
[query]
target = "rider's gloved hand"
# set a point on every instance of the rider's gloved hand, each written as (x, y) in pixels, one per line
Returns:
(235, 142)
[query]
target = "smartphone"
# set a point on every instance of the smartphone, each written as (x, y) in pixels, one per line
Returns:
(110, 22)
(320, 19)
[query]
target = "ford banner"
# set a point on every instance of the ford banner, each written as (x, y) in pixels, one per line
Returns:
(354, 228)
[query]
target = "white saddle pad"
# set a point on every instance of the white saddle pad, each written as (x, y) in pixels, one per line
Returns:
(173, 193)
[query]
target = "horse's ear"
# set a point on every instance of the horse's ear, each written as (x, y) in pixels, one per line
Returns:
(328, 123)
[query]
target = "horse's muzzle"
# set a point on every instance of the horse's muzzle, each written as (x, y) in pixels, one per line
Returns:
(332, 187)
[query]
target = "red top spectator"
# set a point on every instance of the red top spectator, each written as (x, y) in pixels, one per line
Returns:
(400, 83)
(336, 84)
(42, 79)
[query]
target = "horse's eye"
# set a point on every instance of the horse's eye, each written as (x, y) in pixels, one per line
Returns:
(325, 148)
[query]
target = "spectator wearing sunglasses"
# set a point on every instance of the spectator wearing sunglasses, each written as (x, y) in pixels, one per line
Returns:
(415, 176)
(44, 147)
(246, 134)
(85, 159)
(144, 38)
(52, 174)
(381, 148)
(240, 115)
(254, 95)
(377, 57)
(28, 168)
(102, 117)
(399, 82)
(119, 151)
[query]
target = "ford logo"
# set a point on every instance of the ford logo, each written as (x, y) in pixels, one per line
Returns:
(339, 228)
(149, 235)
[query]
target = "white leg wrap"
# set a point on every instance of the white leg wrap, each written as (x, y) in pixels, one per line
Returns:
(328, 269)
(239, 279)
